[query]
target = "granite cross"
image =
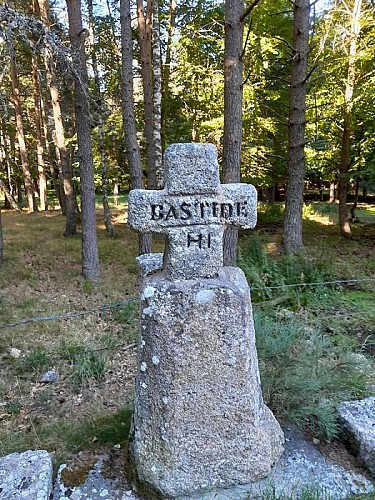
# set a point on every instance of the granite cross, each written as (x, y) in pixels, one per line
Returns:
(193, 210)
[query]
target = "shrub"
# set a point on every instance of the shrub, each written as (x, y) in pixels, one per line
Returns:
(304, 376)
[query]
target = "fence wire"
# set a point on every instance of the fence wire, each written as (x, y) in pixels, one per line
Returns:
(116, 305)
(104, 307)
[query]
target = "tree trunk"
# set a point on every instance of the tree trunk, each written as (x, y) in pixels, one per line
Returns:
(38, 135)
(156, 52)
(292, 236)
(4, 152)
(90, 255)
(21, 136)
(144, 36)
(69, 204)
(332, 192)
(355, 29)
(55, 173)
(1, 242)
(131, 144)
(232, 140)
(9, 197)
(99, 110)
(355, 202)
(167, 67)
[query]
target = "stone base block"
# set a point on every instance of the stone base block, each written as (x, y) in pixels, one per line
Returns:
(26, 475)
(358, 419)
(199, 419)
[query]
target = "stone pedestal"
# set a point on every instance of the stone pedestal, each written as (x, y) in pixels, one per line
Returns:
(199, 419)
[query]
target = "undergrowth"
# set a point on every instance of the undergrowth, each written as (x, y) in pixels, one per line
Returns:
(308, 362)
(304, 375)
(269, 277)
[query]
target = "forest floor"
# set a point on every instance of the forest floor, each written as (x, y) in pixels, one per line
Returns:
(94, 353)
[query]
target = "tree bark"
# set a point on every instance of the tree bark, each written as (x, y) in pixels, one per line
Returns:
(90, 255)
(21, 136)
(55, 173)
(344, 167)
(232, 140)
(145, 48)
(99, 110)
(131, 144)
(39, 136)
(332, 192)
(1, 242)
(292, 236)
(69, 203)
(157, 94)
(9, 197)
(167, 68)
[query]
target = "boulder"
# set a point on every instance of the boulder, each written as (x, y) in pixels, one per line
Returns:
(358, 419)
(26, 476)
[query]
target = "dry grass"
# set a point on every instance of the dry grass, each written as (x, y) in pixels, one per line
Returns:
(94, 354)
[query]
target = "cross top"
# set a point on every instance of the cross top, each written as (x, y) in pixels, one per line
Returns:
(193, 210)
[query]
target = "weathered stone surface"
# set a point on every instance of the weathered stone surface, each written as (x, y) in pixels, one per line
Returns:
(94, 487)
(150, 262)
(358, 418)
(199, 419)
(193, 210)
(26, 476)
(195, 251)
(49, 377)
(301, 472)
(194, 165)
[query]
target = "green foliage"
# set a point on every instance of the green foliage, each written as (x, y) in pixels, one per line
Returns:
(126, 313)
(13, 407)
(88, 286)
(71, 437)
(270, 213)
(36, 360)
(304, 375)
(126, 316)
(264, 272)
(71, 348)
(88, 366)
(105, 429)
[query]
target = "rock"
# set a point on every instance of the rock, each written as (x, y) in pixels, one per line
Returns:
(199, 418)
(49, 377)
(301, 469)
(26, 476)
(358, 419)
(301, 472)
(94, 486)
(150, 262)
(14, 353)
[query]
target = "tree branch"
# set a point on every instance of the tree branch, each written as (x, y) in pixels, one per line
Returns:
(249, 10)
(286, 43)
(247, 39)
(310, 73)
(247, 78)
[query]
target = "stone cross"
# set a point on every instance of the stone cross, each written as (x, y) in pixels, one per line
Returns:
(199, 421)
(193, 210)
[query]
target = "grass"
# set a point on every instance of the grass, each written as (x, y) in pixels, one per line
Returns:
(315, 342)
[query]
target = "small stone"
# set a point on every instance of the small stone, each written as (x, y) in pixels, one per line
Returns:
(14, 353)
(49, 377)
(155, 360)
(358, 419)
